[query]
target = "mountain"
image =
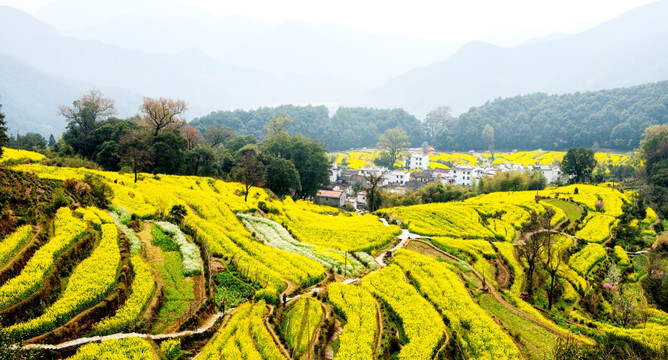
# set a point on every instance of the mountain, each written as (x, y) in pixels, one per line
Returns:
(367, 60)
(205, 83)
(30, 98)
(628, 50)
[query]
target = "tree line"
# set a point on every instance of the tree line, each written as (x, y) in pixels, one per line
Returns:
(348, 127)
(613, 119)
(158, 140)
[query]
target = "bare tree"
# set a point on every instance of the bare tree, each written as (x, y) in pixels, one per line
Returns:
(82, 117)
(372, 190)
(217, 134)
(162, 114)
(249, 170)
(191, 134)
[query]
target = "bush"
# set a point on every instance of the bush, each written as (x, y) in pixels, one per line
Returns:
(60, 199)
(171, 349)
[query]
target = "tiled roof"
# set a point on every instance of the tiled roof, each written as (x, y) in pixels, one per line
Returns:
(329, 193)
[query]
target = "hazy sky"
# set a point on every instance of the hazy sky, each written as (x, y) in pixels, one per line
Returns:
(448, 21)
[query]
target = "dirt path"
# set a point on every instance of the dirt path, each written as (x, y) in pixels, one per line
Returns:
(152, 255)
(329, 350)
(277, 340)
(502, 273)
(289, 289)
(404, 237)
(379, 330)
(82, 341)
(528, 235)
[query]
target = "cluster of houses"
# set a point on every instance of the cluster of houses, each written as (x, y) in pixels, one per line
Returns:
(341, 191)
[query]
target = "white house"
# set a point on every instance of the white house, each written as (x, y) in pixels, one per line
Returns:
(467, 175)
(417, 161)
(334, 173)
(361, 199)
(552, 174)
(461, 175)
(397, 176)
(373, 170)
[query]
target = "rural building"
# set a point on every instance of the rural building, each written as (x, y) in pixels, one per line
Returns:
(423, 176)
(417, 161)
(335, 198)
(552, 174)
(397, 177)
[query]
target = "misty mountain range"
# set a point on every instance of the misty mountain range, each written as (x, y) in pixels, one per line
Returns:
(214, 63)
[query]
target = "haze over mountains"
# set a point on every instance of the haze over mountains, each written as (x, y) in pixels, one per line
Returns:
(130, 49)
(628, 50)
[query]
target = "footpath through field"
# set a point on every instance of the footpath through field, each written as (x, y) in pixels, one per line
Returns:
(86, 340)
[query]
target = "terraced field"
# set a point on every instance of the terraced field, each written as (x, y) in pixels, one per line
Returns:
(297, 280)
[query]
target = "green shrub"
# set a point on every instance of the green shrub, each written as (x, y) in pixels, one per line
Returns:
(171, 349)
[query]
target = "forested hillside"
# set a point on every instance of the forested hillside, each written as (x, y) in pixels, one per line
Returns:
(612, 118)
(347, 128)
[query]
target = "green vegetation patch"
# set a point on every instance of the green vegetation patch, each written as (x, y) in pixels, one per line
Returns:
(534, 341)
(162, 239)
(230, 289)
(573, 211)
(179, 291)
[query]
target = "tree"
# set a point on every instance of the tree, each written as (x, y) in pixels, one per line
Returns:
(52, 141)
(191, 134)
(105, 141)
(3, 130)
(579, 162)
(625, 305)
(200, 161)
(178, 212)
(282, 176)
(372, 190)
(488, 138)
(394, 141)
(30, 141)
(308, 156)
(135, 150)
(553, 260)
(277, 125)
(435, 122)
(240, 141)
(249, 170)
(169, 152)
(535, 239)
(217, 135)
(83, 117)
(162, 114)
(383, 159)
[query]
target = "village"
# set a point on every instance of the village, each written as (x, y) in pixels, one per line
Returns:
(345, 184)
